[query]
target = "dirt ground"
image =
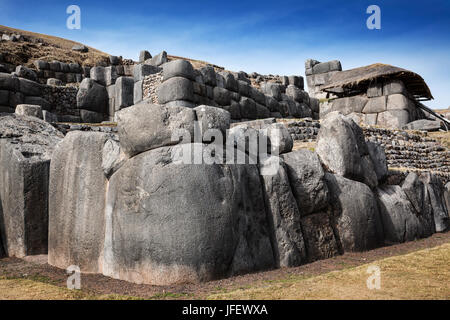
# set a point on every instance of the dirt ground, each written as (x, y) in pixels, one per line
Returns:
(36, 269)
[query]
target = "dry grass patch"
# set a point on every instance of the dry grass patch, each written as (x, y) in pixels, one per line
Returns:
(422, 274)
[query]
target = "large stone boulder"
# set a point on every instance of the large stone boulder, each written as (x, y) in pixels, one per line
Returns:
(147, 126)
(176, 88)
(342, 149)
(306, 177)
(423, 125)
(30, 110)
(26, 147)
(169, 222)
(77, 202)
(283, 215)
(320, 241)
(400, 221)
(212, 118)
(436, 194)
(356, 217)
(178, 68)
(92, 96)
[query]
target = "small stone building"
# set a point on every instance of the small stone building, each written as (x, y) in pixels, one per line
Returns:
(377, 94)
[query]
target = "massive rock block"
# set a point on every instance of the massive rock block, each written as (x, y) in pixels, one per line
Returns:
(307, 180)
(147, 126)
(378, 157)
(212, 118)
(283, 215)
(170, 222)
(320, 241)
(26, 147)
(92, 96)
(176, 88)
(124, 92)
(342, 149)
(436, 193)
(400, 221)
(178, 68)
(77, 202)
(356, 217)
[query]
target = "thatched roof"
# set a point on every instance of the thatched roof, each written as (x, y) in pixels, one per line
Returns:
(360, 78)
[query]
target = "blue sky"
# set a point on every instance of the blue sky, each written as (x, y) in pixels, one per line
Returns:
(263, 36)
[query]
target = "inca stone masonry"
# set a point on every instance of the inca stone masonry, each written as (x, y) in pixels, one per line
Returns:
(112, 198)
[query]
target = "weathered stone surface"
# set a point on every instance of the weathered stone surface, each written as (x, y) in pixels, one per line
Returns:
(424, 125)
(435, 192)
(297, 81)
(115, 60)
(262, 112)
(324, 67)
(297, 94)
(224, 231)
(222, 96)
(212, 118)
(112, 157)
(230, 81)
(30, 88)
(111, 75)
(342, 149)
(248, 108)
(447, 196)
(280, 140)
(90, 116)
(176, 88)
(49, 117)
(41, 65)
(375, 105)
(349, 104)
(158, 60)
(92, 96)
(356, 217)
(77, 202)
(27, 73)
(209, 75)
(393, 87)
(80, 48)
(416, 193)
(39, 101)
(8, 82)
(54, 82)
(307, 180)
(393, 119)
(144, 55)
(283, 215)
(234, 109)
(140, 71)
(98, 75)
(146, 126)
(244, 88)
(400, 222)
(124, 92)
(320, 242)
(138, 92)
(26, 147)
(398, 102)
(378, 157)
(375, 90)
(178, 68)
(272, 104)
(272, 89)
(29, 110)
